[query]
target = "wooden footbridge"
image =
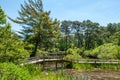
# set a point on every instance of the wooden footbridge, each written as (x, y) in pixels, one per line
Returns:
(58, 57)
(46, 57)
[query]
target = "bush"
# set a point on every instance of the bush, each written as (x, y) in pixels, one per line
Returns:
(73, 53)
(110, 66)
(33, 69)
(10, 71)
(82, 66)
(53, 50)
(15, 52)
(11, 48)
(105, 51)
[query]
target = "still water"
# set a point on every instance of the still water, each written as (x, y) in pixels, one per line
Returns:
(94, 74)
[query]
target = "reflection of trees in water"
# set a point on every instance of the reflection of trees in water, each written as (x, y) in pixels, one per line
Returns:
(96, 74)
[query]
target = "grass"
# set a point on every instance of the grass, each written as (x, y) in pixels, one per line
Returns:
(110, 66)
(95, 66)
(82, 66)
(59, 76)
(38, 74)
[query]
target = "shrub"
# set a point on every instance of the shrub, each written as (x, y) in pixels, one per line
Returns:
(10, 71)
(53, 50)
(15, 52)
(83, 66)
(33, 69)
(73, 53)
(105, 51)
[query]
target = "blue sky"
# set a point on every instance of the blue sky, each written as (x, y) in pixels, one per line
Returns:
(101, 11)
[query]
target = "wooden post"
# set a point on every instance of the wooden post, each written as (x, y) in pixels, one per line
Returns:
(56, 65)
(43, 62)
(62, 63)
(56, 61)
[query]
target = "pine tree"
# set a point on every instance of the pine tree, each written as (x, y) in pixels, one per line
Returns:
(38, 28)
(2, 17)
(11, 48)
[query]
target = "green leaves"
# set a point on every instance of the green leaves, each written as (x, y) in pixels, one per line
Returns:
(105, 51)
(10, 71)
(2, 17)
(11, 49)
(73, 53)
(115, 38)
(39, 29)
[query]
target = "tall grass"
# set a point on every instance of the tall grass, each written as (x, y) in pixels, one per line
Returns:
(59, 76)
(83, 66)
(37, 73)
(110, 66)
(95, 66)
(33, 69)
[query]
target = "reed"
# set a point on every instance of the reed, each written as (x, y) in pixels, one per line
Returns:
(95, 66)
(59, 76)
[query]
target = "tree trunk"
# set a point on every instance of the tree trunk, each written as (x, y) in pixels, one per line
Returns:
(35, 49)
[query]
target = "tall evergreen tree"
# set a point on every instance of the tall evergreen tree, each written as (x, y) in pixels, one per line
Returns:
(66, 30)
(11, 48)
(78, 30)
(91, 31)
(38, 26)
(2, 17)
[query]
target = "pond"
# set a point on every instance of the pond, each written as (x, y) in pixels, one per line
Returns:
(98, 74)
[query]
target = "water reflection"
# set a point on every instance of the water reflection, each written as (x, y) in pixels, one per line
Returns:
(73, 74)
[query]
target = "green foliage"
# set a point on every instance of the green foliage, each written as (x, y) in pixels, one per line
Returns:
(110, 66)
(61, 44)
(85, 34)
(39, 29)
(95, 66)
(87, 53)
(106, 51)
(34, 69)
(73, 53)
(2, 17)
(59, 75)
(113, 28)
(29, 47)
(78, 27)
(82, 66)
(10, 71)
(66, 30)
(92, 34)
(11, 49)
(115, 38)
(53, 50)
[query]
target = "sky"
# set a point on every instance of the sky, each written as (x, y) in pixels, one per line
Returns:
(101, 11)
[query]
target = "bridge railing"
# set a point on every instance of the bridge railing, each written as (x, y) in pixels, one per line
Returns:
(112, 61)
(41, 57)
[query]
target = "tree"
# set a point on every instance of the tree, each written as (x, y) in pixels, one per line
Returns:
(38, 27)
(111, 28)
(78, 30)
(115, 38)
(11, 48)
(2, 17)
(66, 30)
(91, 33)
